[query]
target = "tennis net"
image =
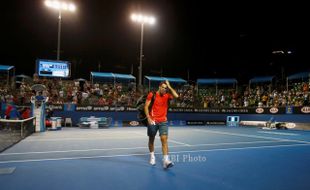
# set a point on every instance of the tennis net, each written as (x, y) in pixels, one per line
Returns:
(12, 131)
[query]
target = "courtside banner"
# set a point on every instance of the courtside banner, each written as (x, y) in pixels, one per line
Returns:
(206, 122)
(289, 110)
(258, 110)
(56, 107)
(215, 122)
(195, 122)
(302, 110)
(176, 123)
(103, 108)
(132, 124)
(69, 107)
(138, 124)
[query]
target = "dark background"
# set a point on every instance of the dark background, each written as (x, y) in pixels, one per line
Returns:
(191, 39)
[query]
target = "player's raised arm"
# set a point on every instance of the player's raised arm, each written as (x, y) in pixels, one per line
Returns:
(173, 92)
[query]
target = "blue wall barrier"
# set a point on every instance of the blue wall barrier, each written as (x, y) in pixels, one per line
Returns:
(132, 116)
(120, 115)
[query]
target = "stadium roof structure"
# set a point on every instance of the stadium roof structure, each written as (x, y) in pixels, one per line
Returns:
(170, 79)
(6, 67)
(156, 80)
(217, 81)
(80, 79)
(265, 79)
(302, 75)
(261, 79)
(112, 77)
(7, 70)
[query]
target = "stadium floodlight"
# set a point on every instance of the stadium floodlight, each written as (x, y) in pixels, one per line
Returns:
(278, 52)
(142, 19)
(281, 52)
(60, 6)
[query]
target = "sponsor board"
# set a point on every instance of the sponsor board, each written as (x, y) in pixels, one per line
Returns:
(176, 123)
(195, 122)
(84, 108)
(204, 123)
(265, 110)
(215, 122)
(132, 124)
(274, 110)
(104, 108)
(56, 107)
(69, 107)
(138, 124)
(259, 110)
(305, 109)
(290, 125)
(289, 110)
(253, 123)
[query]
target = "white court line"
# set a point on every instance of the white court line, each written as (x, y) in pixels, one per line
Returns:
(252, 136)
(236, 143)
(80, 139)
(81, 150)
(143, 154)
(279, 133)
(171, 140)
(177, 142)
(131, 148)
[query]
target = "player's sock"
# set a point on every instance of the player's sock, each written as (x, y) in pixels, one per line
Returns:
(152, 158)
(166, 162)
(165, 157)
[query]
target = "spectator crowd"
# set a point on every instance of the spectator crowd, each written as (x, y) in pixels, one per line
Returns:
(82, 92)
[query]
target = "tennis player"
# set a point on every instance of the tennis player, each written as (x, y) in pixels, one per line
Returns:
(157, 120)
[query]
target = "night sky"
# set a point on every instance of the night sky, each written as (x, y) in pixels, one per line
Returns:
(208, 40)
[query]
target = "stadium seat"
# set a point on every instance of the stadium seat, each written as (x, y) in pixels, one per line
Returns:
(68, 120)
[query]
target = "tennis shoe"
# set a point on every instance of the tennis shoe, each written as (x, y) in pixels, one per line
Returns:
(167, 164)
(152, 160)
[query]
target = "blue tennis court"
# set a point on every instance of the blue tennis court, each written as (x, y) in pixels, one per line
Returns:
(117, 158)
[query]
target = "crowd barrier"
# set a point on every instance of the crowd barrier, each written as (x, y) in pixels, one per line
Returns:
(127, 116)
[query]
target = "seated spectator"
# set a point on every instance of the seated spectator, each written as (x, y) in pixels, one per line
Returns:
(25, 113)
(49, 114)
(11, 111)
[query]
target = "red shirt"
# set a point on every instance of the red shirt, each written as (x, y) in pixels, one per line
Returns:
(160, 106)
(26, 114)
(8, 111)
